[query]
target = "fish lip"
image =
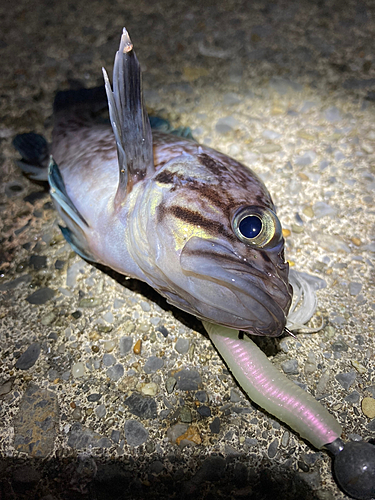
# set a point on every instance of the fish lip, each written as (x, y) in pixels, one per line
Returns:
(206, 259)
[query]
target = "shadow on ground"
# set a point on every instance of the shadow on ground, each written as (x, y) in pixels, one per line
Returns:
(85, 477)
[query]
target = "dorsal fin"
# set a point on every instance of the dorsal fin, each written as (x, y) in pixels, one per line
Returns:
(129, 119)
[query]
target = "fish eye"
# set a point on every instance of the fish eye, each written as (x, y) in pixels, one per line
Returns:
(257, 226)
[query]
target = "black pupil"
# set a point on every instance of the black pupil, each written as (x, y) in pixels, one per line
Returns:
(250, 226)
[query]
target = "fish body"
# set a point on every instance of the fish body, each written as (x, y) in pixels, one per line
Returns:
(193, 223)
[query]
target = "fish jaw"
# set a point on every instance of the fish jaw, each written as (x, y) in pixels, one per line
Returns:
(232, 291)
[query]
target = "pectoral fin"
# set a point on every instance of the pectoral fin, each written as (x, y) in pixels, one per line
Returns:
(75, 233)
(129, 119)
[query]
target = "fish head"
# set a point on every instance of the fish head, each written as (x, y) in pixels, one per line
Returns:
(219, 244)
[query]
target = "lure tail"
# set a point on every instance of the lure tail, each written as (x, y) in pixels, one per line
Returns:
(34, 150)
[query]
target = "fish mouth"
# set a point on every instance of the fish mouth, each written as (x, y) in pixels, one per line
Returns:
(232, 292)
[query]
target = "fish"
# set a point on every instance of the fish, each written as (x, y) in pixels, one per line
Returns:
(195, 224)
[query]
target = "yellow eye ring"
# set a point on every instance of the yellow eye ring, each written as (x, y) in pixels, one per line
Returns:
(257, 226)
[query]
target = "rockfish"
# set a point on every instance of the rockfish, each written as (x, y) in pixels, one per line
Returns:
(193, 223)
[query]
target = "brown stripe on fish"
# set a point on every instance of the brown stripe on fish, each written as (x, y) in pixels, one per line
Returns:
(197, 219)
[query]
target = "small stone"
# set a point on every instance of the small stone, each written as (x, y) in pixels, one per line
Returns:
(41, 296)
(145, 306)
(108, 317)
(38, 262)
(141, 406)
(89, 302)
(339, 346)
(268, 148)
(115, 436)
(115, 372)
(290, 366)
(272, 449)
(297, 229)
(78, 370)
(188, 380)
(285, 439)
(182, 346)
(93, 398)
(354, 288)
(286, 233)
(108, 360)
(175, 431)
(59, 264)
(185, 415)
(360, 368)
(48, 319)
(170, 384)
(321, 209)
(346, 379)
(352, 398)
(29, 357)
(137, 347)
(332, 114)
(215, 425)
(204, 411)
(201, 396)
(368, 407)
(163, 331)
(125, 345)
(356, 241)
(153, 364)
(306, 159)
(308, 211)
(226, 124)
(234, 396)
(150, 389)
(6, 387)
(191, 435)
(100, 411)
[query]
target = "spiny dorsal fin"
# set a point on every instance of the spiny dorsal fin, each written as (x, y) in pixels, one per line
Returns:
(129, 119)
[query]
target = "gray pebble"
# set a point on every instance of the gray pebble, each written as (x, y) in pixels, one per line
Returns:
(204, 411)
(108, 359)
(6, 387)
(38, 262)
(115, 436)
(215, 425)
(100, 411)
(201, 396)
(115, 372)
(226, 124)
(339, 346)
(290, 366)
(271, 134)
(156, 467)
(29, 357)
(354, 288)
(371, 425)
(41, 296)
(135, 433)
(185, 415)
(170, 384)
(321, 209)
(141, 406)
(162, 330)
(346, 379)
(188, 380)
(125, 345)
(352, 398)
(81, 437)
(93, 398)
(234, 396)
(332, 114)
(153, 364)
(312, 479)
(306, 159)
(272, 449)
(175, 431)
(11, 285)
(145, 306)
(182, 346)
(285, 439)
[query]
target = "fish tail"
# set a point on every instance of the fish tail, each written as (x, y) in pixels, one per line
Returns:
(34, 150)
